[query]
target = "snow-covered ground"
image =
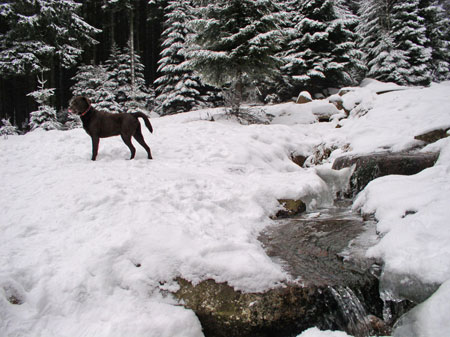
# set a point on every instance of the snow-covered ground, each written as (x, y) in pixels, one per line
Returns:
(93, 248)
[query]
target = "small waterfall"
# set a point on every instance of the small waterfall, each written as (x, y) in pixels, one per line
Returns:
(353, 311)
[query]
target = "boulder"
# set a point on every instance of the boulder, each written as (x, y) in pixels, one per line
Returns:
(434, 135)
(310, 253)
(337, 101)
(324, 110)
(304, 97)
(226, 312)
(290, 208)
(344, 91)
(371, 166)
(298, 159)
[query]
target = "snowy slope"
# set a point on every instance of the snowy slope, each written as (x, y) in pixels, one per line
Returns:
(92, 248)
(88, 246)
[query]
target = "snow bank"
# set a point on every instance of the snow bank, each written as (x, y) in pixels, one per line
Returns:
(91, 248)
(394, 118)
(380, 87)
(413, 217)
(412, 211)
(429, 318)
(291, 113)
(314, 332)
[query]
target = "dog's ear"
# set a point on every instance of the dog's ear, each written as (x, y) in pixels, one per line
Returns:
(87, 100)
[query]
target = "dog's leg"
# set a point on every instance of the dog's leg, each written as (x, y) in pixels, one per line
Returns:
(140, 139)
(95, 141)
(127, 140)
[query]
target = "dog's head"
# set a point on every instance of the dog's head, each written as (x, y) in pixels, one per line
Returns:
(79, 105)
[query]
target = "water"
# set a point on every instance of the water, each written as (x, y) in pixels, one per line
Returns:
(324, 247)
(358, 323)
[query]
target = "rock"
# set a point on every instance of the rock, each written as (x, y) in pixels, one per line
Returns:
(337, 101)
(310, 254)
(324, 110)
(290, 208)
(14, 300)
(371, 166)
(321, 153)
(434, 135)
(298, 159)
(304, 97)
(344, 91)
(284, 311)
(379, 327)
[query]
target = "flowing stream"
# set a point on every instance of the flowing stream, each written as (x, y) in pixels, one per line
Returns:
(358, 322)
(327, 247)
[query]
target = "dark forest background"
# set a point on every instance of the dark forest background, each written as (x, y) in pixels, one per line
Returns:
(147, 18)
(115, 26)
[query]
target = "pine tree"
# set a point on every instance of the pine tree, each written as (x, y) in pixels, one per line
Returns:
(96, 83)
(321, 52)
(45, 116)
(235, 44)
(67, 120)
(131, 93)
(409, 35)
(7, 129)
(437, 25)
(178, 89)
(395, 41)
(384, 62)
(40, 32)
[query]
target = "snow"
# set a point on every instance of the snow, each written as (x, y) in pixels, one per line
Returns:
(74, 231)
(93, 248)
(306, 113)
(429, 318)
(423, 235)
(396, 117)
(314, 332)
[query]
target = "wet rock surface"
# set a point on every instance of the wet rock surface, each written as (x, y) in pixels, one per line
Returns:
(290, 208)
(433, 135)
(284, 311)
(320, 251)
(371, 166)
(312, 247)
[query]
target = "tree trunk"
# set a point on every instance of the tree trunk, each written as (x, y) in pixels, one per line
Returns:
(61, 86)
(133, 76)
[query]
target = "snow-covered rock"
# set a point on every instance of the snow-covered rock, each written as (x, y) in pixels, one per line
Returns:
(304, 97)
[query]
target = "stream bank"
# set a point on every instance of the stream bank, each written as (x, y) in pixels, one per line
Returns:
(332, 285)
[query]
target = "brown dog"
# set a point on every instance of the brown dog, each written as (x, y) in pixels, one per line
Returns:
(100, 124)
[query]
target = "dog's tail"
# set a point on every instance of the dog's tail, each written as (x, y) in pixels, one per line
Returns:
(145, 118)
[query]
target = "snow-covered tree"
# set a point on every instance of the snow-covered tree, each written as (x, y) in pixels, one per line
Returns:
(321, 51)
(235, 44)
(45, 116)
(96, 83)
(437, 25)
(409, 35)
(67, 120)
(131, 92)
(395, 42)
(110, 86)
(7, 129)
(178, 89)
(39, 32)
(383, 61)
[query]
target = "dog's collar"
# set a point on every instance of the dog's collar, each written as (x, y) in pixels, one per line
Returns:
(87, 110)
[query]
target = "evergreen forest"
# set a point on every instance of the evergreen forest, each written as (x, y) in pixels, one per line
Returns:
(172, 56)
